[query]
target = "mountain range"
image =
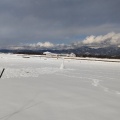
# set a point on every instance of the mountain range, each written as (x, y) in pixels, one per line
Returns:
(92, 46)
(83, 51)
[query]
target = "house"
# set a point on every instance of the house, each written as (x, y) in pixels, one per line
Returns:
(72, 55)
(49, 54)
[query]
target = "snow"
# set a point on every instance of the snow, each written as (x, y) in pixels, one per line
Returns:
(36, 88)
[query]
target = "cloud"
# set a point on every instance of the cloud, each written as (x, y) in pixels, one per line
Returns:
(32, 21)
(47, 45)
(42, 45)
(110, 39)
(39, 46)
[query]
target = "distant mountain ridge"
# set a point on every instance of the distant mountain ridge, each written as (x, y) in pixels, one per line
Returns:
(84, 51)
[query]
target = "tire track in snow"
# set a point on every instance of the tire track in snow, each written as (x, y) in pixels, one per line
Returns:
(99, 76)
(28, 105)
(95, 82)
(28, 72)
(8, 116)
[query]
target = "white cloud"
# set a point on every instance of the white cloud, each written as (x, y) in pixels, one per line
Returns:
(42, 45)
(92, 41)
(109, 39)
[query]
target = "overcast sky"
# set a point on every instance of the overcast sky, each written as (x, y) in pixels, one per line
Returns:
(56, 21)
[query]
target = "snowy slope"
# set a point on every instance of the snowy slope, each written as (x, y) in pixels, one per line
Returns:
(39, 88)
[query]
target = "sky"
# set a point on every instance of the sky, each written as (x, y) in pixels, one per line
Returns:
(56, 21)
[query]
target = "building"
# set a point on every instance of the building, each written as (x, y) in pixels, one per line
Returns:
(49, 54)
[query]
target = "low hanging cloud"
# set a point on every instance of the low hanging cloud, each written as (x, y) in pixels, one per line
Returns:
(48, 45)
(110, 39)
(42, 45)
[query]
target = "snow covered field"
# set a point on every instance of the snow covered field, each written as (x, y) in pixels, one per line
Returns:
(39, 88)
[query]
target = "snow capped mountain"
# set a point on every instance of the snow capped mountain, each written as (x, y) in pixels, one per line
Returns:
(108, 44)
